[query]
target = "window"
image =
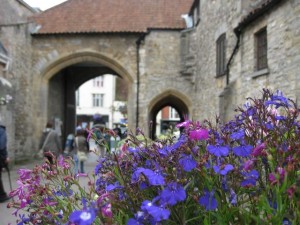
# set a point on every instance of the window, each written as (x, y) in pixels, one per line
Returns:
(98, 100)
(173, 113)
(98, 81)
(261, 49)
(221, 55)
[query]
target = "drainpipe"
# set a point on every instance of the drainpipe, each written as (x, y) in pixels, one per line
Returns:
(138, 44)
(237, 32)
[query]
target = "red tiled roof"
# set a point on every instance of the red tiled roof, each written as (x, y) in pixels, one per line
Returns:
(97, 16)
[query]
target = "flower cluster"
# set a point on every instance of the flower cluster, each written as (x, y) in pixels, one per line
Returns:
(246, 171)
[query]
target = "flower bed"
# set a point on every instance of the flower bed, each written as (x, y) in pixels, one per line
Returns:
(243, 172)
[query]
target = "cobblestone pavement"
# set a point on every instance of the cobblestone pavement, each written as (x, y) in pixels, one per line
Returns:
(6, 216)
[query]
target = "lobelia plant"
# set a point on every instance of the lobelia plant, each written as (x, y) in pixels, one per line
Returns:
(246, 171)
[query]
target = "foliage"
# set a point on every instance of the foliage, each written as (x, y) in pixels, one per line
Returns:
(243, 172)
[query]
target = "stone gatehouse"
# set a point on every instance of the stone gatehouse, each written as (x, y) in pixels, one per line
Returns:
(204, 63)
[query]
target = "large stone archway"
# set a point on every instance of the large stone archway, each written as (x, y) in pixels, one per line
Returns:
(61, 77)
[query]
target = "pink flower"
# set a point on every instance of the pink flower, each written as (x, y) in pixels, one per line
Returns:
(272, 178)
(184, 124)
(106, 211)
(258, 150)
(291, 190)
(199, 134)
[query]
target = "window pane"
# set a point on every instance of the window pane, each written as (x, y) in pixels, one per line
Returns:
(221, 55)
(262, 49)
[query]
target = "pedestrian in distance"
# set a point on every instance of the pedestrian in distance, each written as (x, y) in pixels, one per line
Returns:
(81, 147)
(3, 161)
(50, 143)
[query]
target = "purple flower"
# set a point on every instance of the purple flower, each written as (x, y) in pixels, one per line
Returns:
(208, 201)
(243, 150)
(224, 169)
(258, 149)
(187, 162)
(248, 165)
(157, 212)
(250, 178)
(24, 174)
(199, 134)
(172, 194)
(218, 150)
(82, 217)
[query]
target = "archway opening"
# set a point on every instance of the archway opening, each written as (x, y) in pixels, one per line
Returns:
(64, 96)
(166, 114)
(104, 96)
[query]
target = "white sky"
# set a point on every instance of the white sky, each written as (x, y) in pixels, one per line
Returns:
(43, 4)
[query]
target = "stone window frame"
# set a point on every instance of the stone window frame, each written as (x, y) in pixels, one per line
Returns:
(98, 100)
(261, 49)
(221, 55)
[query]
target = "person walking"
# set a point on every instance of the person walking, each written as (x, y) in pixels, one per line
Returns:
(50, 143)
(81, 147)
(3, 161)
(99, 132)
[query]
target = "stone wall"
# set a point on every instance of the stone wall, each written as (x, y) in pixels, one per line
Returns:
(160, 72)
(283, 36)
(15, 36)
(212, 95)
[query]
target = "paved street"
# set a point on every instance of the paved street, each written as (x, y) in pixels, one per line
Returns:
(6, 216)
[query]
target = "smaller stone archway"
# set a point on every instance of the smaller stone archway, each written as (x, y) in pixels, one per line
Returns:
(171, 98)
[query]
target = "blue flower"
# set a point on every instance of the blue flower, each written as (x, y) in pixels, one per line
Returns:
(250, 178)
(157, 212)
(132, 221)
(208, 201)
(24, 220)
(224, 169)
(243, 150)
(233, 197)
(82, 217)
(278, 100)
(139, 217)
(182, 139)
(114, 186)
(132, 150)
(218, 150)
(238, 135)
(172, 194)
(187, 162)
(165, 150)
(155, 178)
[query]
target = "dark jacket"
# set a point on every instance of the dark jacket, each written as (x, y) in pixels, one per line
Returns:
(3, 143)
